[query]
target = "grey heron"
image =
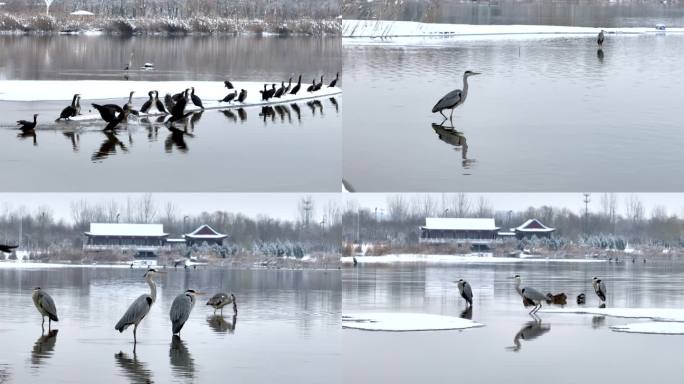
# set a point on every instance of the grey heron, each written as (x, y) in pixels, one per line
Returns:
(180, 309)
(454, 98)
(465, 291)
(140, 307)
(529, 295)
(600, 39)
(599, 288)
(220, 300)
(45, 305)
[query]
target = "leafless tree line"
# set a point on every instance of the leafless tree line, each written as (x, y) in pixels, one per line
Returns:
(400, 218)
(40, 230)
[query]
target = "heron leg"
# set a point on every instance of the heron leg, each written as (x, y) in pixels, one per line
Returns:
(135, 338)
(221, 311)
(49, 324)
(443, 115)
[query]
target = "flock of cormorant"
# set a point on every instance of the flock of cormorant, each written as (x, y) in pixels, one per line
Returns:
(173, 105)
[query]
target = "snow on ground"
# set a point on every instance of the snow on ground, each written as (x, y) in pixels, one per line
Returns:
(388, 28)
(34, 265)
(652, 327)
(657, 314)
(402, 322)
(208, 91)
(457, 259)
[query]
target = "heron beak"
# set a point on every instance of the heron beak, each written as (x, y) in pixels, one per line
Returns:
(477, 73)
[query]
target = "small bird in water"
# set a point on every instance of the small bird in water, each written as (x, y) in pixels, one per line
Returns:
(159, 104)
(229, 97)
(26, 126)
(297, 87)
(280, 90)
(180, 309)
(465, 291)
(228, 84)
(243, 95)
(7, 248)
(318, 86)
(599, 288)
(70, 111)
(45, 305)
(454, 98)
(195, 99)
(334, 82)
(148, 104)
(600, 39)
(311, 87)
(581, 299)
(559, 299)
(220, 300)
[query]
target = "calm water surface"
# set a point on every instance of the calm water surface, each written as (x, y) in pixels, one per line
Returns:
(569, 348)
(258, 150)
(287, 328)
(547, 114)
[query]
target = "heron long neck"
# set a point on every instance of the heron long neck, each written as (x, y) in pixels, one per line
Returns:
(153, 289)
(517, 287)
(465, 85)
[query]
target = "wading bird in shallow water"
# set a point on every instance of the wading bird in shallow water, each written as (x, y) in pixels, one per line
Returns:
(600, 39)
(599, 288)
(25, 125)
(220, 300)
(454, 98)
(140, 307)
(181, 308)
(465, 291)
(529, 295)
(45, 305)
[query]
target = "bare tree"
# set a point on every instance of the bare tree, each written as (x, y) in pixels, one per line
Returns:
(484, 208)
(147, 209)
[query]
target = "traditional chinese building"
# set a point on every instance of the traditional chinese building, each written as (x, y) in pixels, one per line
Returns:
(139, 237)
(204, 234)
(458, 230)
(533, 228)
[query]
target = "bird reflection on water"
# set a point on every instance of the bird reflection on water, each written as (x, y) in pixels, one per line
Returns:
(136, 371)
(43, 347)
(219, 324)
(181, 361)
(451, 136)
(529, 331)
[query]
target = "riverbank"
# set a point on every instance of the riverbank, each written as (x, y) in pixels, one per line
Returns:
(166, 26)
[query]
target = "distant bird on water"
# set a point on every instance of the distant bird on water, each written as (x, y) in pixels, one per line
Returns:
(581, 299)
(454, 98)
(334, 82)
(158, 103)
(220, 300)
(297, 87)
(228, 84)
(26, 126)
(195, 99)
(45, 305)
(7, 248)
(465, 291)
(318, 86)
(148, 104)
(180, 309)
(599, 288)
(243, 95)
(600, 39)
(229, 97)
(311, 87)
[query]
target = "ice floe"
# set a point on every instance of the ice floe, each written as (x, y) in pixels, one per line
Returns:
(209, 91)
(652, 327)
(388, 28)
(658, 314)
(404, 322)
(457, 259)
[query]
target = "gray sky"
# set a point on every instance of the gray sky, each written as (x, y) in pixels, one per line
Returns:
(673, 202)
(276, 205)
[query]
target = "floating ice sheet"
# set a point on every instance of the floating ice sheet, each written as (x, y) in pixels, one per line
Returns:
(457, 259)
(403, 322)
(652, 327)
(658, 314)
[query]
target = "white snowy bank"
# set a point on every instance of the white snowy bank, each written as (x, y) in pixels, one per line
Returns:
(388, 28)
(456, 259)
(652, 327)
(209, 91)
(404, 322)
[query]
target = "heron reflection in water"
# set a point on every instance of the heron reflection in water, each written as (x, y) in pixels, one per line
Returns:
(451, 136)
(136, 371)
(529, 331)
(43, 347)
(220, 325)
(181, 361)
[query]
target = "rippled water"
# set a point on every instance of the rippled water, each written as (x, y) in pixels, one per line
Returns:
(564, 348)
(256, 150)
(287, 328)
(547, 114)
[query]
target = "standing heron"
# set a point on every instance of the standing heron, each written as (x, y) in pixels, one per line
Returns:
(220, 300)
(454, 98)
(599, 288)
(180, 309)
(140, 307)
(466, 291)
(529, 295)
(45, 305)
(600, 39)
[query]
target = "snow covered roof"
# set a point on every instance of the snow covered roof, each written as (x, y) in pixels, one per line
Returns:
(125, 229)
(175, 240)
(534, 225)
(81, 12)
(464, 224)
(205, 232)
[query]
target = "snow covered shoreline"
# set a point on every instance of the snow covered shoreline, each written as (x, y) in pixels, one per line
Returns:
(389, 29)
(405, 322)
(456, 259)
